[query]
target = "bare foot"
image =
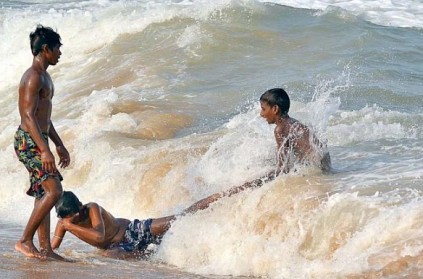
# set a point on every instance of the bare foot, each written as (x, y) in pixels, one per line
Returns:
(28, 249)
(50, 255)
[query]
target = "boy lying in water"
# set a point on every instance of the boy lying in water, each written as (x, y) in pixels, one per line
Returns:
(117, 237)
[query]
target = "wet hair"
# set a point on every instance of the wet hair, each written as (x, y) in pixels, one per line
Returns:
(278, 97)
(43, 36)
(67, 205)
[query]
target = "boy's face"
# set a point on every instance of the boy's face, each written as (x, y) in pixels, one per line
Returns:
(53, 55)
(268, 112)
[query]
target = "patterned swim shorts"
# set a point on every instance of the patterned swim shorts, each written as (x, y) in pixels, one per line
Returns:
(137, 236)
(29, 154)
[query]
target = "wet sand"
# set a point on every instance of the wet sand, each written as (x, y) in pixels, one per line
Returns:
(87, 263)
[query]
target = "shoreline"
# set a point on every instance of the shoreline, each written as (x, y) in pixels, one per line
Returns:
(85, 263)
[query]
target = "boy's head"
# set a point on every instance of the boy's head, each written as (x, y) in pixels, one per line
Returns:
(43, 36)
(67, 205)
(277, 97)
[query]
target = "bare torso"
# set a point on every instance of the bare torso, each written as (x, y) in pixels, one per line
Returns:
(293, 136)
(36, 91)
(114, 228)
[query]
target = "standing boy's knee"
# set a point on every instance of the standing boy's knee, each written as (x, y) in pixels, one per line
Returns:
(53, 187)
(58, 189)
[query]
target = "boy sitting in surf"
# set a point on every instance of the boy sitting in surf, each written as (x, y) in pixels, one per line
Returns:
(295, 142)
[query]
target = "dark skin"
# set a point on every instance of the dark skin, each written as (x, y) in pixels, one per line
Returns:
(290, 134)
(36, 91)
(93, 224)
(97, 227)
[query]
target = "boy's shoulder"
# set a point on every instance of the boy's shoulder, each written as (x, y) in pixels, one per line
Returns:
(287, 123)
(283, 128)
(291, 126)
(296, 124)
(92, 205)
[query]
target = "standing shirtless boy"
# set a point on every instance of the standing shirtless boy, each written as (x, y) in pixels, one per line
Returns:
(36, 91)
(295, 142)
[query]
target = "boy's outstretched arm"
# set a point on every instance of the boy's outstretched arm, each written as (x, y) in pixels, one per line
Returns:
(59, 233)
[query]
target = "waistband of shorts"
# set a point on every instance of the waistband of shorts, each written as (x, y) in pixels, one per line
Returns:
(27, 133)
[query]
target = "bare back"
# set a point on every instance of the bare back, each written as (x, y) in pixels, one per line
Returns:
(293, 135)
(295, 139)
(114, 228)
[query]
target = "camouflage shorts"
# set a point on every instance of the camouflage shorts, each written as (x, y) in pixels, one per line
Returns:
(138, 236)
(29, 154)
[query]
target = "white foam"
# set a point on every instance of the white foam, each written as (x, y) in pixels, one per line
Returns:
(256, 233)
(88, 26)
(406, 13)
(370, 123)
(250, 235)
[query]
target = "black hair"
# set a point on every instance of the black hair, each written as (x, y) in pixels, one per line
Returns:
(278, 97)
(41, 36)
(67, 205)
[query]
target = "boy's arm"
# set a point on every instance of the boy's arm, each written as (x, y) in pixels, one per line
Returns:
(59, 233)
(28, 104)
(94, 235)
(60, 148)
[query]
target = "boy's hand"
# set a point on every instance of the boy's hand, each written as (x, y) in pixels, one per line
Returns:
(75, 218)
(47, 160)
(63, 155)
(65, 222)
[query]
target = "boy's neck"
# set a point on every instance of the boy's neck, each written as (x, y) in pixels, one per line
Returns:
(282, 119)
(40, 63)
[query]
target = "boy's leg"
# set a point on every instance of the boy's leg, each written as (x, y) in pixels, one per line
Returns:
(160, 225)
(44, 238)
(204, 203)
(25, 245)
(53, 191)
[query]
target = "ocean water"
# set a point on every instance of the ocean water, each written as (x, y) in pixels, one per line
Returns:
(157, 102)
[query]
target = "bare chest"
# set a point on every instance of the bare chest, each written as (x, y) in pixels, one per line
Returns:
(47, 89)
